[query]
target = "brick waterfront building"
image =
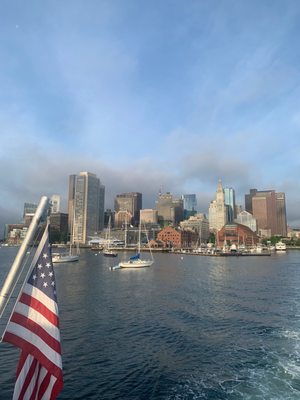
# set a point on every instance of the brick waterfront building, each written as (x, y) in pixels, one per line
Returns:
(236, 234)
(177, 238)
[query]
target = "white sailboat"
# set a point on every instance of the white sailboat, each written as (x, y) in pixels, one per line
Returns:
(136, 261)
(107, 251)
(69, 256)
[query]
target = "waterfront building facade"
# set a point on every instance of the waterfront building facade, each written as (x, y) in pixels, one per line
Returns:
(217, 213)
(268, 208)
(178, 238)
(16, 229)
(236, 234)
(131, 202)
(87, 206)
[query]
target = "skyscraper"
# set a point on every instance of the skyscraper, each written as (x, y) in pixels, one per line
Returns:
(268, 207)
(169, 210)
(189, 205)
(217, 212)
(87, 200)
(229, 197)
(130, 202)
(281, 214)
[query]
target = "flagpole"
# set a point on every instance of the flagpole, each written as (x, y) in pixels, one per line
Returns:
(10, 279)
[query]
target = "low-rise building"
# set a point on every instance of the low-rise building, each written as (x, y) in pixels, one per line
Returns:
(199, 224)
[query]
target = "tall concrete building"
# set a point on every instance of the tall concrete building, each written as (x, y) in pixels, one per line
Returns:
(269, 210)
(229, 197)
(169, 210)
(148, 216)
(130, 202)
(217, 212)
(55, 203)
(71, 198)
(86, 204)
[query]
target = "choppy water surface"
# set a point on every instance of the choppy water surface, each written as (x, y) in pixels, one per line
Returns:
(189, 327)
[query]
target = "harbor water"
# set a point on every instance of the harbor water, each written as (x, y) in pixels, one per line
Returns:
(188, 327)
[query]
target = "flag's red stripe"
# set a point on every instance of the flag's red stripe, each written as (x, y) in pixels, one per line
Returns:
(37, 329)
(40, 307)
(27, 380)
(35, 352)
(43, 386)
(36, 383)
(56, 388)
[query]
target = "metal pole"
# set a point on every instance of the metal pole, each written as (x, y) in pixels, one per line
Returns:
(10, 279)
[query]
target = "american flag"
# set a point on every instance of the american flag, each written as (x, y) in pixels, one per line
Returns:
(34, 328)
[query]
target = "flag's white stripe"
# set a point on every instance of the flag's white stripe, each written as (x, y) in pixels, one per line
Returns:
(29, 312)
(22, 376)
(40, 296)
(43, 373)
(35, 340)
(47, 393)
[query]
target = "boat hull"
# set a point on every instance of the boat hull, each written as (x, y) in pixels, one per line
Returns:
(136, 264)
(64, 259)
(110, 254)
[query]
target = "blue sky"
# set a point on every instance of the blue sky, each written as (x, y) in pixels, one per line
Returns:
(148, 95)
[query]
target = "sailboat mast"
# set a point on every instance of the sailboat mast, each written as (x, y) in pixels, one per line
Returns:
(139, 241)
(15, 268)
(125, 242)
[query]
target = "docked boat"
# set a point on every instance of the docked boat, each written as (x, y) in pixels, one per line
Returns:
(280, 246)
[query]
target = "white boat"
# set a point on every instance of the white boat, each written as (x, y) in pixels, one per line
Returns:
(62, 258)
(69, 256)
(280, 246)
(107, 251)
(136, 261)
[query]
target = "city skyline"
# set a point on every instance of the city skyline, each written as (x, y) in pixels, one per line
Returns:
(171, 95)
